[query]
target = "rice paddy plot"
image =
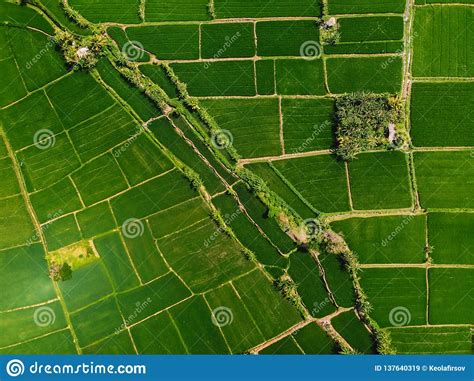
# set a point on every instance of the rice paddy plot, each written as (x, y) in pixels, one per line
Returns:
(432, 340)
(88, 284)
(299, 77)
(286, 346)
(380, 239)
(12, 14)
(95, 220)
(176, 10)
(140, 159)
(19, 230)
(97, 321)
(451, 296)
(178, 217)
(380, 181)
(398, 295)
(375, 74)
(24, 280)
(276, 184)
(223, 78)
(167, 42)
(152, 297)
(451, 239)
(444, 36)
(266, 8)
(196, 328)
(307, 124)
(137, 101)
(260, 214)
(55, 200)
(147, 260)
(349, 326)
(113, 345)
(86, 99)
(237, 324)
(320, 180)
(164, 131)
(203, 256)
(442, 114)
(255, 291)
(285, 38)
(10, 185)
(158, 334)
(111, 250)
(227, 40)
(366, 6)
(313, 340)
(338, 279)
(247, 233)
(27, 45)
(119, 11)
(99, 179)
(32, 321)
(42, 167)
(445, 179)
(62, 232)
(158, 75)
(253, 123)
(368, 34)
(305, 273)
(152, 196)
(60, 343)
(25, 121)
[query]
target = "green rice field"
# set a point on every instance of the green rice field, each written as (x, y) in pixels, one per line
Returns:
(171, 179)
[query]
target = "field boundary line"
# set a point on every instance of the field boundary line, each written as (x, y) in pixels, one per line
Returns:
(442, 79)
(348, 183)
(30, 306)
(339, 216)
(423, 265)
(284, 157)
(433, 326)
(442, 149)
(282, 139)
(35, 338)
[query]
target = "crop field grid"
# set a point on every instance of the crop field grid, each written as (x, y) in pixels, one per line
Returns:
(170, 180)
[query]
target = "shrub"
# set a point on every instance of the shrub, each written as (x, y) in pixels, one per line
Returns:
(59, 272)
